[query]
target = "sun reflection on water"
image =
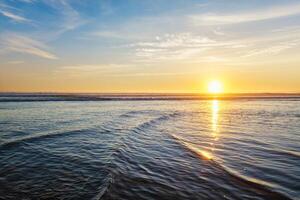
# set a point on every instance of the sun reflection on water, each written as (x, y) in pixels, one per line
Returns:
(215, 119)
(215, 107)
(206, 152)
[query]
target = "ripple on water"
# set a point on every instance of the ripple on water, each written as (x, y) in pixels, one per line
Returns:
(149, 150)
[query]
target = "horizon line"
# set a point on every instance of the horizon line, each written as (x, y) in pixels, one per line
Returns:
(156, 93)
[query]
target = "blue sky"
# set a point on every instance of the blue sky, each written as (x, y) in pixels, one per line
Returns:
(134, 45)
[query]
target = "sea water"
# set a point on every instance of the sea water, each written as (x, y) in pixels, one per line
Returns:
(150, 149)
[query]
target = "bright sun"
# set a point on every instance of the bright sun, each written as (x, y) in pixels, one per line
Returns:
(215, 87)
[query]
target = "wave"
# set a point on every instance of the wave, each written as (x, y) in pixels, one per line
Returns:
(106, 128)
(276, 150)
(156, 121)
(119, 150)
(37, 137)
(259, 185)
(203, 154)
(104, 187)
(139, 128)
(138, 112)
(290, 153)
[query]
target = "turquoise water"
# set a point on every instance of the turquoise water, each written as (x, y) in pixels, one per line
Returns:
(159, 149)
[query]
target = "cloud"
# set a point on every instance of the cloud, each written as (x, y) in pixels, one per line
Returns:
(109, 34)
(272, 50)
(180, 46)
(137, 74)
(68, 18)
(93, 70)
(218, 32)
(194, 48)
(13, 16)
(15, 62)
(256, 15)
(16, 43)
(179, 40)
(27, 1)
(111, 70)
(139, 28)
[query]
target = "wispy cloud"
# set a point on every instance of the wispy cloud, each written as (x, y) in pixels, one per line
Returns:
(8, 12)
(179, 40)
(181, 46)
(28, 1)
(67, 19)
(255, 15)
(152, 74)
(111, 70)
(13, 42)
(15, 62)
(195, 48)
(272, 50)
(109, 34)
(70, 18)
(93, 70)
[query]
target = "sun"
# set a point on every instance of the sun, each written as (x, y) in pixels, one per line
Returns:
(215, 87)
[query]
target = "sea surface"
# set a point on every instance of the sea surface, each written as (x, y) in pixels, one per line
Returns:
(57, 148)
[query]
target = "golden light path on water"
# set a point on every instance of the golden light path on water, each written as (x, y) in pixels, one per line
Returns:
(215, 106)
(215, 119)
(214, 124)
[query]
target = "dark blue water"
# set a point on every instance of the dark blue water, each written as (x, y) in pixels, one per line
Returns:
(171, 149)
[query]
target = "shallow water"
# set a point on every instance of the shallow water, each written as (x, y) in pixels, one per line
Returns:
(184, 149)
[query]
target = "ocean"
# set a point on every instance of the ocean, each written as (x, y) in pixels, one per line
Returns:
(149, 147)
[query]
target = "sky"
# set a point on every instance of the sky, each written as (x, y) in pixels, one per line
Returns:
(149, 45)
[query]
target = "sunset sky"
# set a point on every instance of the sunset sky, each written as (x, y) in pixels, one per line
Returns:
(149, 45)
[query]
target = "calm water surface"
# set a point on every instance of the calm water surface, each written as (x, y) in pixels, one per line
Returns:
(199, 149)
